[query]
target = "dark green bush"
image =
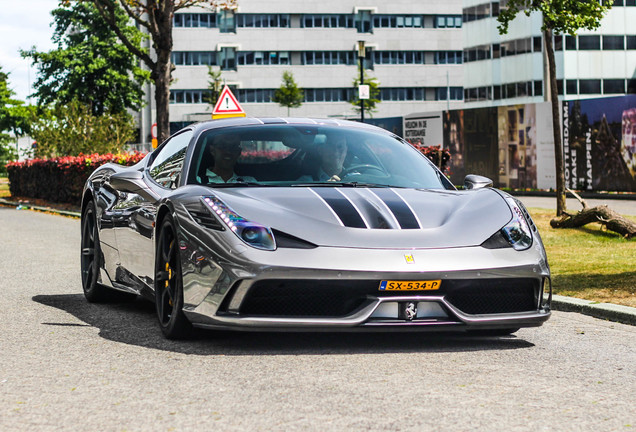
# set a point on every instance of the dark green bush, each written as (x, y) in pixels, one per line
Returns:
(60, 179)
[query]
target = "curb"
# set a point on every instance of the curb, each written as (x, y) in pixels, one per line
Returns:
(607, 311)
(26, 206)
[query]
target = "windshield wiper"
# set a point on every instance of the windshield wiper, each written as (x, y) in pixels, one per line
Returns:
(341, 184)
(234, 184)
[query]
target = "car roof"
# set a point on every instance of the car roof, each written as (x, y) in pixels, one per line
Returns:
(249, 121)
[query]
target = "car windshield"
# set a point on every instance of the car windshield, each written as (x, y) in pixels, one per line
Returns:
(317, 155)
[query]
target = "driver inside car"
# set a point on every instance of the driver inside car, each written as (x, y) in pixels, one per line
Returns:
(225, 150)
(331, 157)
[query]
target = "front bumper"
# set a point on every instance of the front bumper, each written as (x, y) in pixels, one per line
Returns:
(242, 291)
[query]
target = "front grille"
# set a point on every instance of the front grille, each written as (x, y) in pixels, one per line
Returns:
(306, 298)
(489, 296)
(338, 298)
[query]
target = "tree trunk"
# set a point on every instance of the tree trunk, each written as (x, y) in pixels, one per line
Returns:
(162, 101)
(556, 124)
(602, 214)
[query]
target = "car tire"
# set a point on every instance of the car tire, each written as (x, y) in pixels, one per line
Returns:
(91, 259)
(169, 284)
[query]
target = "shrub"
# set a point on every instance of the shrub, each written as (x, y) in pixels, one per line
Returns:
(434, 153)
(60, 179)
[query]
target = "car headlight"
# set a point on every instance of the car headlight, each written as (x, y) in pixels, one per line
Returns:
(517, 231)
(516, 234)
(251, 233)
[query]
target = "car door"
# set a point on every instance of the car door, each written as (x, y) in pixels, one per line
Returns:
(135, 240)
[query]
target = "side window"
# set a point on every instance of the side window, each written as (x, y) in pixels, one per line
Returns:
(166, 167)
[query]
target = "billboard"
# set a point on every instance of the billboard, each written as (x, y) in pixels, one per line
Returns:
(599, 145)
(424, 129)
(514, 145)
(526, 146)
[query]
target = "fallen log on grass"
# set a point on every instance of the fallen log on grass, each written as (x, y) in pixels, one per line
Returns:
(602, 214)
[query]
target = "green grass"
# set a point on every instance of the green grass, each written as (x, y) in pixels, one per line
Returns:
(4, 187)
(589, 262)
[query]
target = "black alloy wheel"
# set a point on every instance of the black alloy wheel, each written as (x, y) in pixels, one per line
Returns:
(169, 284)
(90, 258)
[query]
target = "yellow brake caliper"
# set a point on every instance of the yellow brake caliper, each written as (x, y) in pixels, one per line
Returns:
(169, 271)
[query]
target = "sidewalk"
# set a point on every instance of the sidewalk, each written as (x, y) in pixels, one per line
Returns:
(623, 206)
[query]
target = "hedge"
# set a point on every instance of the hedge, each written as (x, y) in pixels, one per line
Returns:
(434, 153)
(60, 179)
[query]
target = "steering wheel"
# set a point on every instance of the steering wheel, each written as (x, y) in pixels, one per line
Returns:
(361, 168)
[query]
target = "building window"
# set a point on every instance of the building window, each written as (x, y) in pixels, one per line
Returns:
(206, 20)
(327, 21)
(226, 21)
(590, 86)
(363, 21)
(227, 58)
(262, 20)
(537, 44)
(188, 96)
(538, 88)
(613, 86)
(571, 87)
(397, 21)
(328, 94)
(254, 95)
(193, 58)
(262, 58)
(478, 12)
(570, 43)
(613, 43)
(631, 86)
(329, 58)
(631, 42)
(481, 52)
(590, 43)
(496, 91)
(558, 43)
(448, 21)
(448, 57)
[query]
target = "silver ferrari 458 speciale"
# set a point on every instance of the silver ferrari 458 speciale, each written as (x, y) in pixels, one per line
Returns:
(309, 225)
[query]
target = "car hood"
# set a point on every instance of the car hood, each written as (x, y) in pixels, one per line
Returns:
(373, 217)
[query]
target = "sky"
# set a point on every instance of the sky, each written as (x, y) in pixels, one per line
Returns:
(23, 24)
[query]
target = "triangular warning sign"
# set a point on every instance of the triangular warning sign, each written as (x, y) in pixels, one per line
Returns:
(227, 105)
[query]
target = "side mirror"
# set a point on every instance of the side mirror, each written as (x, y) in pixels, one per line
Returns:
(473, 181)
(127, 181)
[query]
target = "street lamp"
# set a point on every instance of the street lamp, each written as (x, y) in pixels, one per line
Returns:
(361, 55)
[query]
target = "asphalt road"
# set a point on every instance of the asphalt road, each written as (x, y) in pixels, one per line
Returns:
(70, 365)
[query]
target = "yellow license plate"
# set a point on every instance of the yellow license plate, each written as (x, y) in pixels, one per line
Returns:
(392, 285)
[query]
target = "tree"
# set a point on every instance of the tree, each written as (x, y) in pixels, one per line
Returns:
(563, 17)
(71, 129)
(89, 64)
(215, 85)
(14, 117)
(156, 18)
(288, 94)
(370, 105)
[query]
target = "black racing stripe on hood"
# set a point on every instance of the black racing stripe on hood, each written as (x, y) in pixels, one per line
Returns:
(341, 206)
(398, 206)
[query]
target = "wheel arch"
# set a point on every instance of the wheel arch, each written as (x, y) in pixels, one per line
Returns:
(165, 209)
(86, 198)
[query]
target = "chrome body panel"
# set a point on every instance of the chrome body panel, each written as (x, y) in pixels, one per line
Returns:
(219, 270)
